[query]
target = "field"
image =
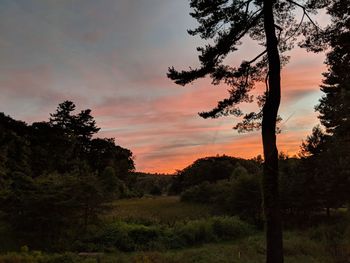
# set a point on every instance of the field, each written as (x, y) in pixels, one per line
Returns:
(306, 246)
(163, 210)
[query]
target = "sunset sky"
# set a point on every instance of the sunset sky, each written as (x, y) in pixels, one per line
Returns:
(112, 56)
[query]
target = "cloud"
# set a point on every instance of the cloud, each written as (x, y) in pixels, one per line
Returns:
(112, 56)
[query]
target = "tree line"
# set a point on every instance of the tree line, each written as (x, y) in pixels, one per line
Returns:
(55, 176)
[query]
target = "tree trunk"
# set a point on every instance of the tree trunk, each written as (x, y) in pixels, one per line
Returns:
(274, 243)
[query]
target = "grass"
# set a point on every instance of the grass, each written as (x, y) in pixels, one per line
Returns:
(309, 246)
(163, 210)
(7, 240)
(298, 249)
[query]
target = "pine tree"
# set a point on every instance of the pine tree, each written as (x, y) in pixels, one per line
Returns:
(271, 23)
(334, 107)
(328, 151)
(81, 125)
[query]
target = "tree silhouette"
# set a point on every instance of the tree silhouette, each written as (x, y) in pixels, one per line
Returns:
(273, 24)
(81, 125)
(334, 107)
(54, 178)
(332, 145)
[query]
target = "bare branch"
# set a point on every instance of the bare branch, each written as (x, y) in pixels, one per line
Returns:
(305, 13)
(298, 27)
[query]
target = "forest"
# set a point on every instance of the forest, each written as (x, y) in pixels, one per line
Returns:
(67, 194)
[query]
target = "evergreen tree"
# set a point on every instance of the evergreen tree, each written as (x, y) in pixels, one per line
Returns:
(63, 117)
(272, 23)
(328, 151)
(50, 175)
(334, 107)
(81, 125)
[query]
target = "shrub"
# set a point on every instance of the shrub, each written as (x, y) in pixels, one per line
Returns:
(131, 236)
(195, 232)
(230, 227)
(241, 196)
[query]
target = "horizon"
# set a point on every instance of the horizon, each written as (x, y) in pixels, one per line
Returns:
(112, 58)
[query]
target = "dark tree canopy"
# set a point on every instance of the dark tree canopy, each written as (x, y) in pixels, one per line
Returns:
(328, 149)
(212, 169)
(334, 107)
(81, 125)
(53, 174)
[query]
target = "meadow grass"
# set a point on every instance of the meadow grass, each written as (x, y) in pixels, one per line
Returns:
(7, 240)
(298, 249)
(163, 210)
(309, 246)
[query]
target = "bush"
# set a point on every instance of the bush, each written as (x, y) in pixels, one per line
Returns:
(241, 196)
(195, 232)
(230, 227)
(131, 236)
(204, 193)
(123, 236)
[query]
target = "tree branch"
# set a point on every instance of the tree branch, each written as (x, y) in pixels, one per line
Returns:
(305, 13)
(296, 30)
(257, 57)
(211, 54)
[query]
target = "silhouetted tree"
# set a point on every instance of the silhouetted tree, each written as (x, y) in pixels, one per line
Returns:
(315, 143)
(212, 169)
(104, 152)
(81, 125)
(51, 149)
(51, 175)
(334, 107)
(328, 150)
(228, 22)
(110, 182)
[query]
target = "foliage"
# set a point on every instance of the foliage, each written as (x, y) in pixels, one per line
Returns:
(151, 184)
(51, 188)
(241, 196)
(105, 153)
(133, 236)
(327, 151)
(299, 247)
(302, 192)
(227, 23)
(273, 26)
(211, 169)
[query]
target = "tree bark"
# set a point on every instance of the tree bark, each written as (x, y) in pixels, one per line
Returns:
(274, 242)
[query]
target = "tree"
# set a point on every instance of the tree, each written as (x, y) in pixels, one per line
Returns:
(81, 125)
(77, 128)
(228, 22)
(331, 146)
(110, 182)
(334, 107)
(104, 153)
(51, 149)
(57, 167)
(212, 169)
(315, 143)
(326, 163)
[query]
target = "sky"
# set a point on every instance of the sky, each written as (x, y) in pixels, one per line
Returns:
(112, 56)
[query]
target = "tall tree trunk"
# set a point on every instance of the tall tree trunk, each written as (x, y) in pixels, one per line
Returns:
(274, 243)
